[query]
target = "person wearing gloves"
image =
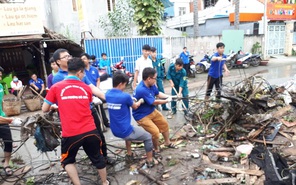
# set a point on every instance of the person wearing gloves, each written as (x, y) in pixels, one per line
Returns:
(79, 129)
(177, 77)
(16, 85)
(146, 115)
(119, 104)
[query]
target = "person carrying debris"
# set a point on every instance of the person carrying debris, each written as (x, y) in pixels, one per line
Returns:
(215, 74)
(146, 115)
(74, 98)
(177, 77)
(157, 65)
(119, 104)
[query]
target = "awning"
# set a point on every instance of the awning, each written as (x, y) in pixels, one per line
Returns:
(167, 3)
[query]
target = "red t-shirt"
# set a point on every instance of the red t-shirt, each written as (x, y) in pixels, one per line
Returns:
(73, 98)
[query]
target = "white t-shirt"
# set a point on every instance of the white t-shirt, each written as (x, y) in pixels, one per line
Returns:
(141, 64)
(16, 86)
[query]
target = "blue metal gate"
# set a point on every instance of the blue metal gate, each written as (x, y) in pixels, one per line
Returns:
(129, 48)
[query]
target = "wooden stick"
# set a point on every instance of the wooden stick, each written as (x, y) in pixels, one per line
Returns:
(37, 93)
(143, 172)
(217, 181)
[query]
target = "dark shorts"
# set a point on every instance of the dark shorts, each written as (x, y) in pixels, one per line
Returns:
(91, 143)
(5, 135)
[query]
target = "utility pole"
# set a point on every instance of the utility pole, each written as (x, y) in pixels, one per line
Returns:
(195, 18)
(265, 24)
(236, 14)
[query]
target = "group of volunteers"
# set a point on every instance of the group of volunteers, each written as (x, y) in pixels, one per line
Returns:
(74, 92)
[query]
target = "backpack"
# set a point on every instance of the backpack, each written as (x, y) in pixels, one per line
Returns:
(46, 138)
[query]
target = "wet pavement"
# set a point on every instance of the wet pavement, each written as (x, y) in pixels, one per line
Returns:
(277, 72)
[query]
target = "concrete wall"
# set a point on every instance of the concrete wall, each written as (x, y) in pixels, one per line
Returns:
(60, 17)
(200, 46)
(216, 26)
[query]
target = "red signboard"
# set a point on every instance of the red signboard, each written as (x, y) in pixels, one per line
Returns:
(281, 10)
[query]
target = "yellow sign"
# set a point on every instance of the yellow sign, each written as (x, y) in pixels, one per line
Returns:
(20, 19)
(82, 16)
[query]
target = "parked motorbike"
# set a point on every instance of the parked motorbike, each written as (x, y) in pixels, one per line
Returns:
(120, 67)
(203, 65)
(238, 59)
(192, 67)
(255, 60)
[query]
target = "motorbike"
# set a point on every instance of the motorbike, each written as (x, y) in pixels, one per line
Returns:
(255, 60)
(203, 65)
(120, 67)
(238, 59)
(192, 67)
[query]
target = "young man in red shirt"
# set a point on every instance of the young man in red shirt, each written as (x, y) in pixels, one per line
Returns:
(78, 128)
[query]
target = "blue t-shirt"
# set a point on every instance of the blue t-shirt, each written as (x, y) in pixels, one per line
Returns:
(38, 82)
(216, 69)
(185, 57)
(61, 75)
(148, 94)
(119, 104)
(92, 74)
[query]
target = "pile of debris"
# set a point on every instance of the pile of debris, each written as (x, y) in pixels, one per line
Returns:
(251, 132)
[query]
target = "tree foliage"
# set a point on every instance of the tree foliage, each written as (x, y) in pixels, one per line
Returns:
(118, 22)
(148, 14)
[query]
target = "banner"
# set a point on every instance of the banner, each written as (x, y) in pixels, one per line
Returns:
(281, 10)
(20, 19)
(82, 16)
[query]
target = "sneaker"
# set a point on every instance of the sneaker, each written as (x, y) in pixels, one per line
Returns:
(110, 161)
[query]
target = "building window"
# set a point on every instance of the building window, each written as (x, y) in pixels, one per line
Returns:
(74, 5)
(209, 3)
(110, 5)
(182, 11)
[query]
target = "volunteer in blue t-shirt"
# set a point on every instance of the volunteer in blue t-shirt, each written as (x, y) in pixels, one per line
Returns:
(38, 85)
(146, 115)
(185, 58)
(119, 104)
(215, 74)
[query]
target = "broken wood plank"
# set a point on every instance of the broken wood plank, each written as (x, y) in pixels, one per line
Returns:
(143, 172)
(230, 170)
(267, 142)
(217, 181)
(221, 150)
(281, 112)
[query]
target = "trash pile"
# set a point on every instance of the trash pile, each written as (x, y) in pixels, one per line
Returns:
(45, 129)
(250, 135)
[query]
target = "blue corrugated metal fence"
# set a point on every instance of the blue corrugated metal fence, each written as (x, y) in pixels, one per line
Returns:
(129, 48)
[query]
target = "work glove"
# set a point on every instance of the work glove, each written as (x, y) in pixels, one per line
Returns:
(169, 99)
(134, 99)
(141, 101)
(16, 122)
(96, 101)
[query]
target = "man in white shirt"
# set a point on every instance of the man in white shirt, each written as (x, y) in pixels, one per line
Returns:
(142, 62)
